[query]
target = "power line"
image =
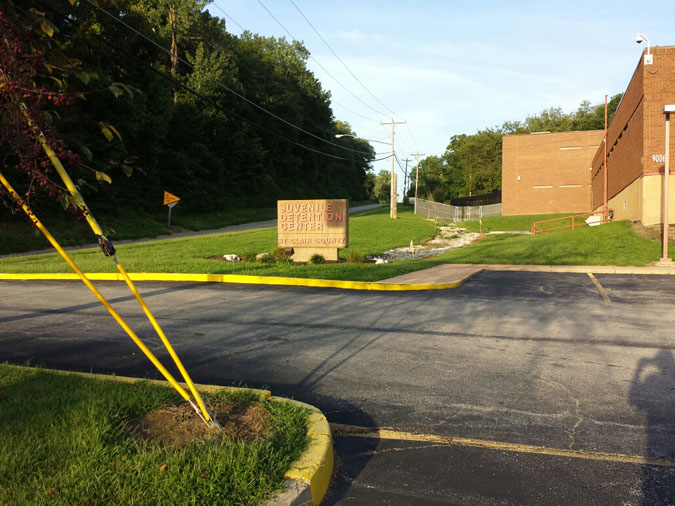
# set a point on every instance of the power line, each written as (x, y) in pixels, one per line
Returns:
(184, 62)
(412, 136)
(203, 97)
(340, 60)
(324, 68)
(409, 130)
(333, 101)
(230, 17)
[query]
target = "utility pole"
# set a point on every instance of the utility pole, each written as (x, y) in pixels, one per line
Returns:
(417, 174)
(405, 176)
(392, 204)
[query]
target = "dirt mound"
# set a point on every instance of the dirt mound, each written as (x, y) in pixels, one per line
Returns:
(179, 425)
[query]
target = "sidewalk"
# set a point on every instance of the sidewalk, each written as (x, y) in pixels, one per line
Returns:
(459, 273)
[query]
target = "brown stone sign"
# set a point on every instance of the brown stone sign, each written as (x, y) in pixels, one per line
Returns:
(313, 227)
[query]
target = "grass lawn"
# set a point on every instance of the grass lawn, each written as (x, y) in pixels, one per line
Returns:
(17, 236)
(66, 440)
(611, 244)
(512, 223)
(370, 234)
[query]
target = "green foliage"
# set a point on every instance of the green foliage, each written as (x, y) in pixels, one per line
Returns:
(508, 223)
(371, 234)
(611, 244)
(355, 257)
(316, 259)
(382, 186)
(72, 446)
(161, 124)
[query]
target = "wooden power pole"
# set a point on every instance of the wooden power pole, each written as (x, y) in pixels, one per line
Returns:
(417, 174)
(405, 176)
(392, 205)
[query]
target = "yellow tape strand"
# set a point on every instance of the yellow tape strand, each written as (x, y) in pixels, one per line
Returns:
(93, 289)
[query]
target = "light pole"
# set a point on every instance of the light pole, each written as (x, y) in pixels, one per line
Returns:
(666, 176)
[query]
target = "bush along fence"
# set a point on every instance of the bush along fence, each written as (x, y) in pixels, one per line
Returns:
(434, 210)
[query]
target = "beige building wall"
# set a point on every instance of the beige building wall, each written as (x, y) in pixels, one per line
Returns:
(627, 204)
(653, 200)
(642, 201)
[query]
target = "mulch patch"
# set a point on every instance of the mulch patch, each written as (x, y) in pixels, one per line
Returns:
(179, 425)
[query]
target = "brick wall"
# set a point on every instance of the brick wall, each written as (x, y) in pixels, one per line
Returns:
(637, 131)
(548, 173)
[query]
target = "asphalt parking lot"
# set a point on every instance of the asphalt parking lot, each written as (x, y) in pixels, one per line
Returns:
(515, 388)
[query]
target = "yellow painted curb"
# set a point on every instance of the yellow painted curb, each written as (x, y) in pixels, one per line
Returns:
(314, 466)
(238, 278)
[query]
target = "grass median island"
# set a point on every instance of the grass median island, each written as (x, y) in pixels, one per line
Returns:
(68, 439)
(611, 244)
(370, 235)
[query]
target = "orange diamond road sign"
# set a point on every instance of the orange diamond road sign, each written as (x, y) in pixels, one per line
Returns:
(170, 198)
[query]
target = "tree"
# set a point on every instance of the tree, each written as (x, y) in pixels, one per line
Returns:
(382, 186)
(172, 19)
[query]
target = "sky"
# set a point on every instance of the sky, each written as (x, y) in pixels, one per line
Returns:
(450, 67)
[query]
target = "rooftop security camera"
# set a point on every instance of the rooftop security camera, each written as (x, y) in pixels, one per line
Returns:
(649, 58)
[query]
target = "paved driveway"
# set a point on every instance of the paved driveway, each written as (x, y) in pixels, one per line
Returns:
(516, 388)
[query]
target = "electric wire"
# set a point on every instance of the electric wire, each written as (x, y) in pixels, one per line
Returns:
(340, 60)
(201, 96)
(322, 67)
(215, 81)
(412, 136)
(332, 100)
(409, 130)
(229, 17)
(220, 107)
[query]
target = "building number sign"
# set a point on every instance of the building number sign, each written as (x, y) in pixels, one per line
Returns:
(658, 158)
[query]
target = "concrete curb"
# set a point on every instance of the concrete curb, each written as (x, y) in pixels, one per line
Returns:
(236, 278)
(307, 478)
(594, 269)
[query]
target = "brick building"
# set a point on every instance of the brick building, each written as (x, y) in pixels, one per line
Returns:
(548, 172)
(635, 156)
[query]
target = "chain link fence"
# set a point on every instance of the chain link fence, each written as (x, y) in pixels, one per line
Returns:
(433, 210)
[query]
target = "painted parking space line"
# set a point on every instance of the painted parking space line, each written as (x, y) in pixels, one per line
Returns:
(597, 284)
(388, 434)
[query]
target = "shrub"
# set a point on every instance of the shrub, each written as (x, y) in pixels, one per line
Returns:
(355, 257)
(317, 259)
(279, 253)
(249, 256)
(267, 260)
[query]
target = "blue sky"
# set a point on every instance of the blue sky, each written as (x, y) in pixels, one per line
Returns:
(449, 67)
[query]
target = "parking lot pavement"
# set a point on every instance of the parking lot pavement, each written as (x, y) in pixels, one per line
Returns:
(508, 358)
